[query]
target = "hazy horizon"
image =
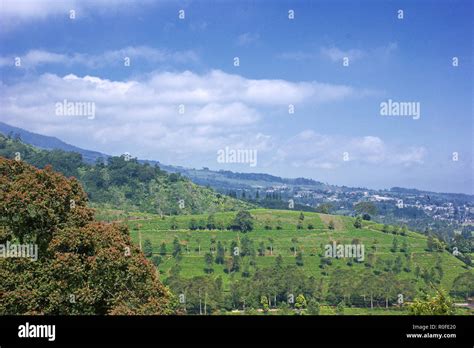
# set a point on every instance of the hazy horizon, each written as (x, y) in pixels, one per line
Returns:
(370, 98)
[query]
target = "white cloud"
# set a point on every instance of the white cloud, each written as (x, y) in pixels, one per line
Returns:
(309, 149)
(223, 114)
(336, 55)
(141, 116)
(15, 12)
(247, 39)
(35, 58)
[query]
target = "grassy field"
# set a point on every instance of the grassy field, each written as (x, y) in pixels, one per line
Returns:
(310, 241)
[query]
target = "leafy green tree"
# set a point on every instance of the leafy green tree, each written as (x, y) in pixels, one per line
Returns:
(193, 224)
(397, 267)
(247, 247)
(156, 259)
(300, 303)
(243, 221)
(439, 267)
(279, 225)
(417, 271)
(163, 249)
(270, 240)
(198, 241)
(279, 261)
(246, 269)
(388, 284)
(374, 244)
(176, 248)
(331, 225)
(211, 223)
(404, 230)
(386, 228)
(463, 285)
(434, 244)
(294, 241)
(174, 177)
(261, 249)
(369, 262)
(301, 217)
(212, 246)
(438, 245)
(208, 259)
(236, 263)
(201, 224)
(314, 308)
(340, 308)
(394, 245)
(370, 285)
(439, 304)
(341, 286)
(299, 258)
(220, 256)
(324, 208)
(285, 309)
(430, 243)
(264, 303)
(147, 248)
(358, 222)
(187, 240)
(404, 247)
(174, 271)
(203, 293)
(365, 207)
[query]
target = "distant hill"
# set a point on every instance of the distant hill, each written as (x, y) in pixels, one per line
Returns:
(219, 179)
(125, 183)
(49, 143)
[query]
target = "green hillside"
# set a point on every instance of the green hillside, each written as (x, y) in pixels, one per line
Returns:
(124, 183)
(408, 264)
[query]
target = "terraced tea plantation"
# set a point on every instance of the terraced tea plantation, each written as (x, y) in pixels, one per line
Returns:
(277, 230)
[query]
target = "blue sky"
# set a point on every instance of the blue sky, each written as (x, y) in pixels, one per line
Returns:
(189, 62)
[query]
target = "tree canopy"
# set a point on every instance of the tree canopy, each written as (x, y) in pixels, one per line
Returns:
(83, 267)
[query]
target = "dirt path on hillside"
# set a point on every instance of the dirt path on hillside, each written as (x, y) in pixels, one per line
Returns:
(338, 223)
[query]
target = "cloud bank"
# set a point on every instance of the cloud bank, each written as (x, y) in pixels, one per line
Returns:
(181, 116)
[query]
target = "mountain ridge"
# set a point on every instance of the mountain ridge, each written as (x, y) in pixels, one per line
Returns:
(91, 156)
